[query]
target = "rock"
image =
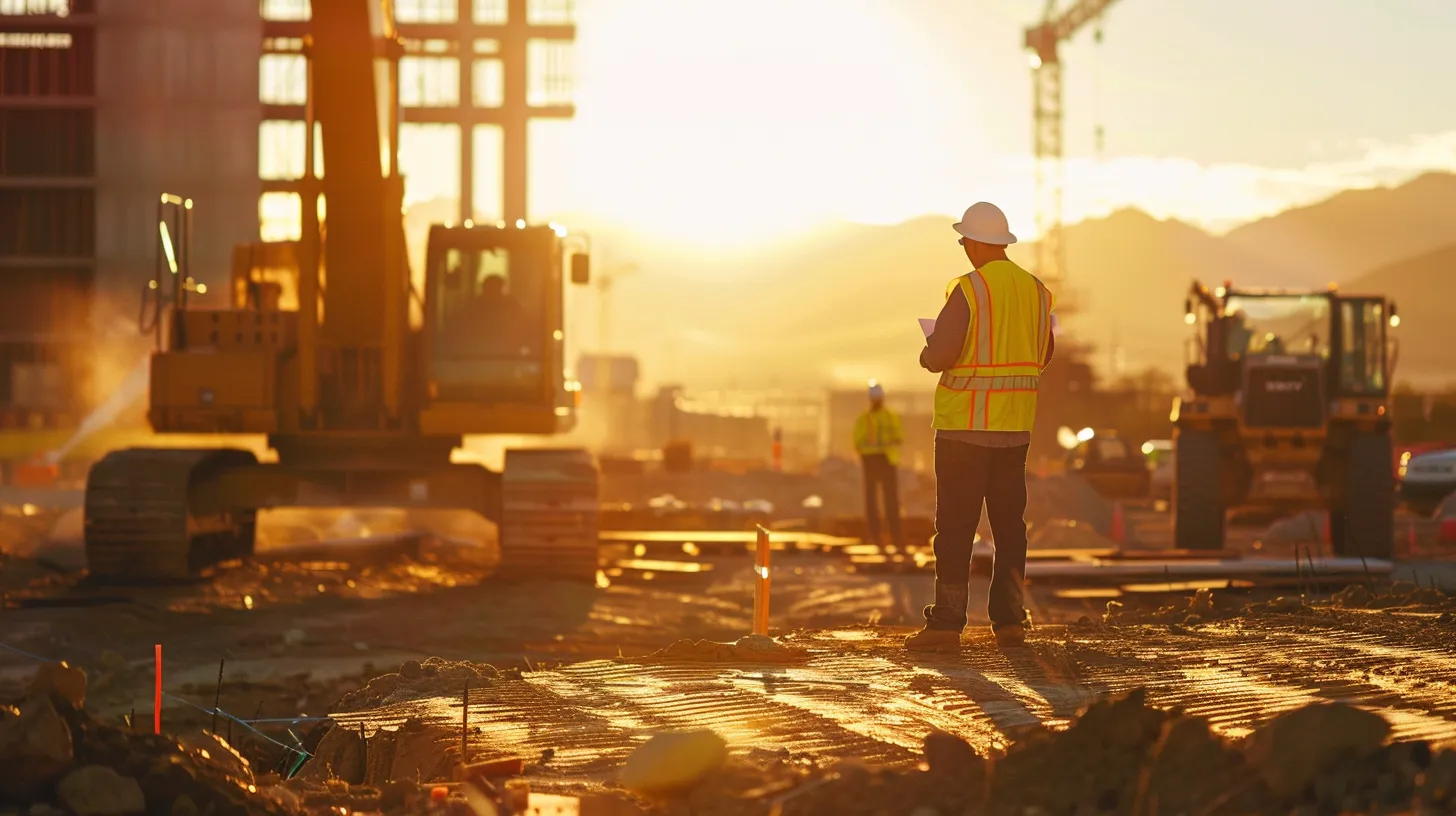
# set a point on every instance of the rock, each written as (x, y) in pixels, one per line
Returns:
(410, 670)
(1438, 782)
(35, 746)
(673, 761)
(65, 681)
(1284, 604)
(1292, 750)
(429, 752)
(96, 790)
(948, 753)
(216, 751)
(397, 795)
(1354, 596)
(168, 777)
(339, 755)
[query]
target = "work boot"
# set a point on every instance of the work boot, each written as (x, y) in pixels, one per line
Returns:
(1010, 636)
(933, 640)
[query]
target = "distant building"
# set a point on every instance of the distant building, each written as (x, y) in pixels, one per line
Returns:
(105, 105)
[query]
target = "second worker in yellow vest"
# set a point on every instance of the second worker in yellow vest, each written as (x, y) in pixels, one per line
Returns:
(878, 435)
(991, 341)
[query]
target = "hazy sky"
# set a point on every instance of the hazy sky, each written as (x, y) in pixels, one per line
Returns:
(733, 121)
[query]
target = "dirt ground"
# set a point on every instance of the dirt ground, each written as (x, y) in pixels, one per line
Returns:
(383, 628)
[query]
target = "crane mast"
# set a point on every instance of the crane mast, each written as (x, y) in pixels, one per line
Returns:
(1043, 42)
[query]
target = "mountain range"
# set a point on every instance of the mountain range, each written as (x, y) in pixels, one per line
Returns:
(838, 305)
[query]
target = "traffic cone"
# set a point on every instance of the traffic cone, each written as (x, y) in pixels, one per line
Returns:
(1119, 526)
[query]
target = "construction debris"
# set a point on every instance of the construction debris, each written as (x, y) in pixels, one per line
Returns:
(58, 755)
(1121, 756)
(1293, 749)
(1396, 595)
(96, 790)
(418, 679)
(747, 649)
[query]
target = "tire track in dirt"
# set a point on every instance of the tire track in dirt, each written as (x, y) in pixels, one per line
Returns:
(1238, 677)
(860, 696)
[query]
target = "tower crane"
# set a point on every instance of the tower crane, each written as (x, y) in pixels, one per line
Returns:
(1043, 41)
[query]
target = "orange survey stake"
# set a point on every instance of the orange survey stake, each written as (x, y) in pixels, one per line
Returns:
(761, 583)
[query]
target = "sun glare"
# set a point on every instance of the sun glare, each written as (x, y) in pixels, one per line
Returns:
(733, 123)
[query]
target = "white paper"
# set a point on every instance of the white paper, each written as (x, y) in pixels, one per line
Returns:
(927, 325)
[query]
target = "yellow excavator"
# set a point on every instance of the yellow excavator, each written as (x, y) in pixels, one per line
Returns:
(362, 382)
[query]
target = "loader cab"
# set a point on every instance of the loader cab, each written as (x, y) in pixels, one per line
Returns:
(1362, 364)
(493, 314)
(1281, 343)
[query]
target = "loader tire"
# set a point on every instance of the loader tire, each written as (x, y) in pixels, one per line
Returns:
(1368, 499)
(1198, 507)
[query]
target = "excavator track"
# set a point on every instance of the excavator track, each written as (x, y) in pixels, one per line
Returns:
(141, 525)
(549, 515)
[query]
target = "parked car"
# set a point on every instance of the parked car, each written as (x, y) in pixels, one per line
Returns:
(1159, 455)
(1446, 515)
(1109, 464)
(1426, 479)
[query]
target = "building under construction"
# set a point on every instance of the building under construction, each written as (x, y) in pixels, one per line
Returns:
(107, 104)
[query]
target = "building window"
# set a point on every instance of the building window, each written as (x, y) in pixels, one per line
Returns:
(280, 217)
(488, 86)
(429, 82)
(425, 11)
(60, 8)
(549, 71)
(282, 10)
(282, 79)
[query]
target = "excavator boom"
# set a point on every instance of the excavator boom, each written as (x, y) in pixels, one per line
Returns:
(361, 407)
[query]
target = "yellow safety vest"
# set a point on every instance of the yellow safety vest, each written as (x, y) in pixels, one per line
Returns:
(879, 432)
(993, 385)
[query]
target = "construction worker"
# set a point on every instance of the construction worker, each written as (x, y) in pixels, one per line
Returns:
(878, 436)
(991, 341)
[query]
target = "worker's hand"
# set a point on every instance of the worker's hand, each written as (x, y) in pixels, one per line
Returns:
(923, 364)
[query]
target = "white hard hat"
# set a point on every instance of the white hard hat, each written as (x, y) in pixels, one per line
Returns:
(877, 391)
(986, 223)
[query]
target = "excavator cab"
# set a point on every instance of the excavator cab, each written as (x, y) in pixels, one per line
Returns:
(493, 314)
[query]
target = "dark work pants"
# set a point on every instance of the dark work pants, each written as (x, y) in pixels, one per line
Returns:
(881, 479)
(966, 476)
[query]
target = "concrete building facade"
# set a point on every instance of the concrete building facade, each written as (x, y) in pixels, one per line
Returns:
(105, 105)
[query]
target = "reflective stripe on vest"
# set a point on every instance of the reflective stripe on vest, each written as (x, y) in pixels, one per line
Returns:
(1018, 383)
(994, 383)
